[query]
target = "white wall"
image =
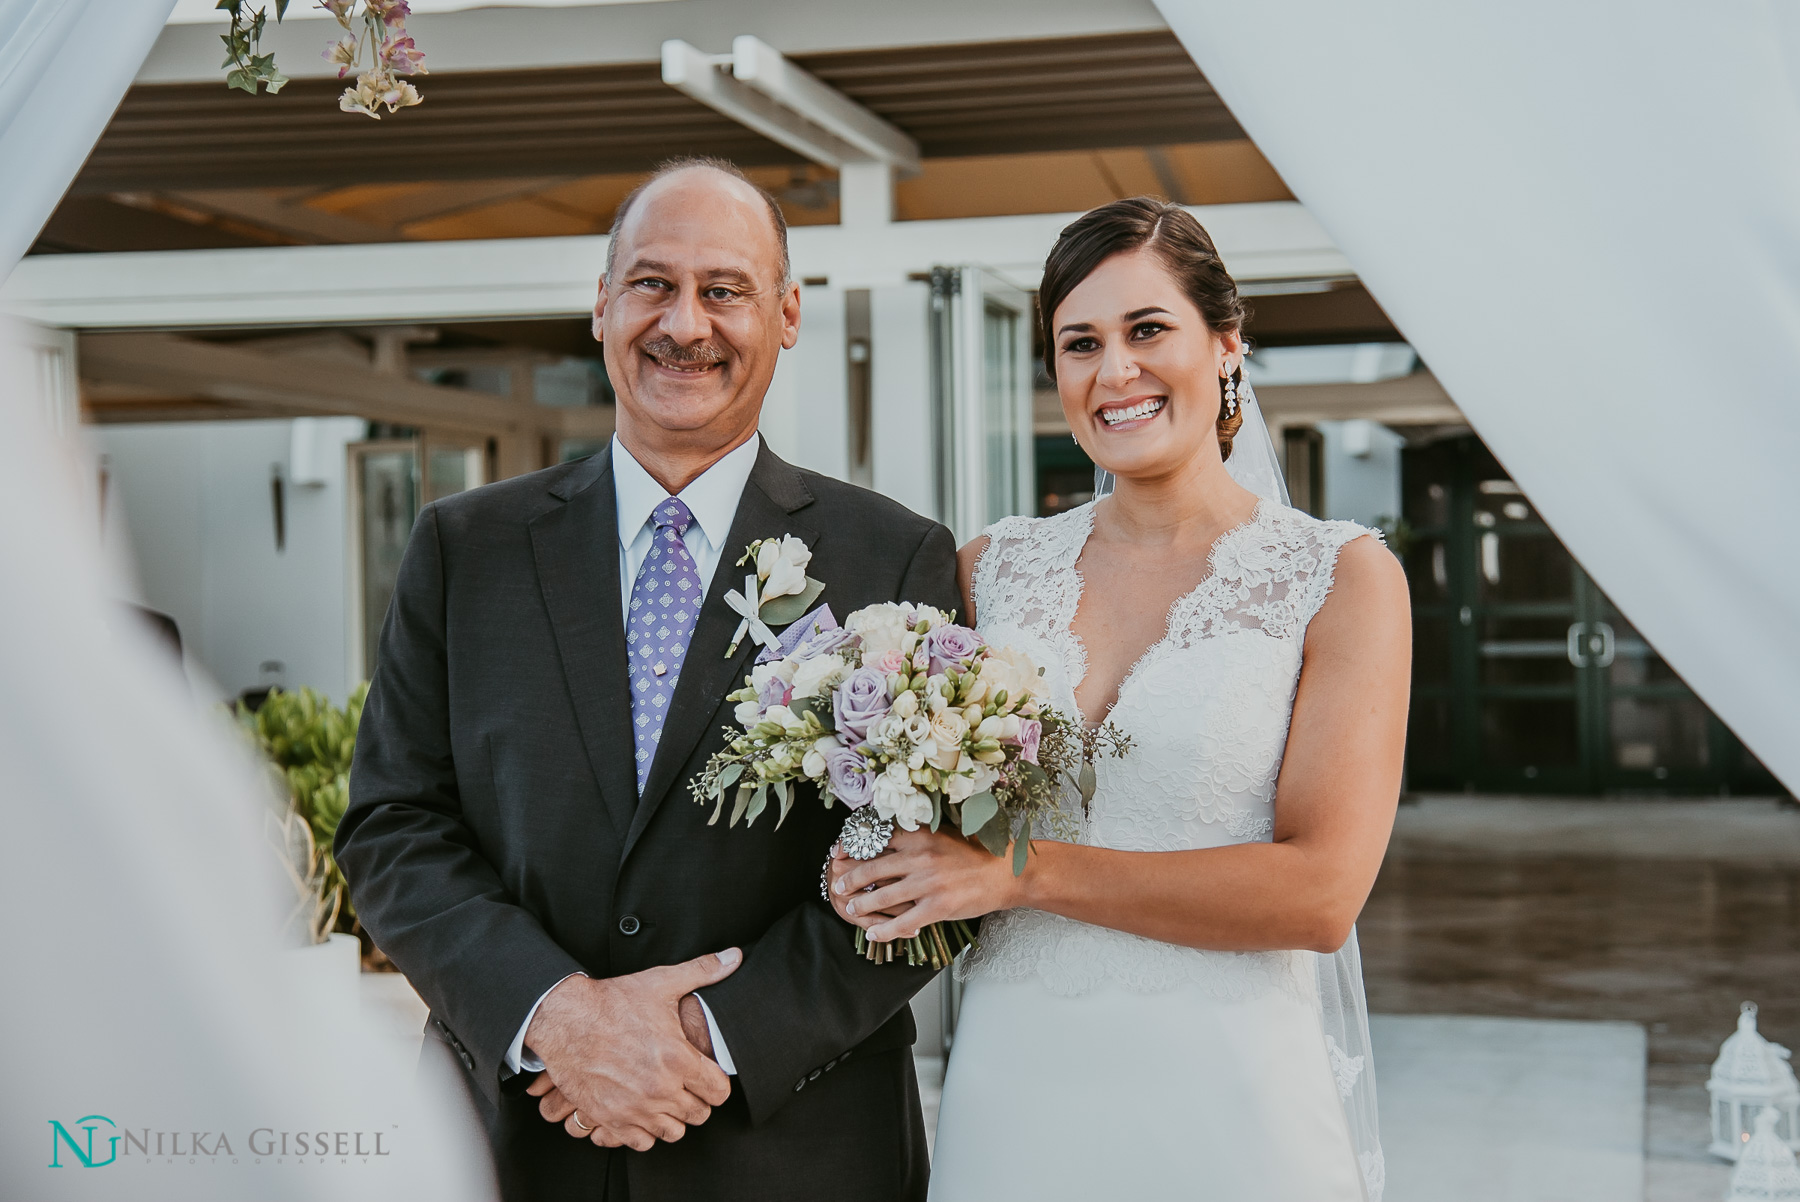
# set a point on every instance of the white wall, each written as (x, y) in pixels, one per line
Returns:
(1362, 471)
(191, 503)
(805, 415)
(900, 401)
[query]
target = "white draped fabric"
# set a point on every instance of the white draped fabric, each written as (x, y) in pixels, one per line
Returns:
(1586, 217)
(64, 65)
(146, 985)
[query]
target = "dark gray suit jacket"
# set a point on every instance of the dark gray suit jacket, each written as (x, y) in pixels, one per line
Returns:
(495, 841)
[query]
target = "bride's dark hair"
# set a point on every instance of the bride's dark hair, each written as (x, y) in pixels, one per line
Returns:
(1184, 247)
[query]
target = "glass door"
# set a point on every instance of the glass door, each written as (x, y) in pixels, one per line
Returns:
(981, 399)
(1526, 677)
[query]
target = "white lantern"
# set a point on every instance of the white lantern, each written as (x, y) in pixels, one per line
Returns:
(1751, 1073)
(1766, 1171)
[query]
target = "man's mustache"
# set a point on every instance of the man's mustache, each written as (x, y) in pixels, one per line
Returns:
(668, 350)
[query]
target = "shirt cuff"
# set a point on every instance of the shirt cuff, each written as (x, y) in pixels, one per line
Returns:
(721, 1053)
(518, 1058)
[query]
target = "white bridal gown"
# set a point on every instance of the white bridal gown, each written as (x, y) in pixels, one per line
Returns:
(1094, 1064)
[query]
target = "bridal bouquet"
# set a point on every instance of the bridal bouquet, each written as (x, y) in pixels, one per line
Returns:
(905, 718)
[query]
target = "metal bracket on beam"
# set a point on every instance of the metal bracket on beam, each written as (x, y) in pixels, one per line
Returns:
(769, 94)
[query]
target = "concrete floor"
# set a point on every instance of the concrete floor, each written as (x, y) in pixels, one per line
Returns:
(1667, 914)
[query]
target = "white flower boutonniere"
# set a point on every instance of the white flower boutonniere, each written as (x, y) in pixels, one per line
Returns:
(776, 592)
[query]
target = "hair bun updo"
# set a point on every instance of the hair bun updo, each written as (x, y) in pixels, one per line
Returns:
(1184, 247)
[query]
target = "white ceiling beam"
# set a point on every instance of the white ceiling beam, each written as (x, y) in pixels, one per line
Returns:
(761, 66)
(403, 282)
(768, 94)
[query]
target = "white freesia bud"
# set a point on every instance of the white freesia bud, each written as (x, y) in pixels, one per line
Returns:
(785, 717)
(990, 728)
(972, 715)
(785, 579)
(747, 713)
(1009, 727)
(906, 705)
(766, 555)
(814, 763)
(795, 551)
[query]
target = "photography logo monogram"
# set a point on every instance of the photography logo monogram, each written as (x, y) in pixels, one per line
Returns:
(82, 1149)
(72, 1145)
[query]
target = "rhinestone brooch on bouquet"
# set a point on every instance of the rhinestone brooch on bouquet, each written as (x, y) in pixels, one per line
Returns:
(865, 834)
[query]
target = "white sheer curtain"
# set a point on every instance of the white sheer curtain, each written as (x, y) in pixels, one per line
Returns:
(64, 65)
(146, 990)
(1586, 217)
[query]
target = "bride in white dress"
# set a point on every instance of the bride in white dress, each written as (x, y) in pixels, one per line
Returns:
(1170, 1004)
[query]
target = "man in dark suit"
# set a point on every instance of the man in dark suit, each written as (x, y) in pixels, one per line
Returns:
(645, 1006)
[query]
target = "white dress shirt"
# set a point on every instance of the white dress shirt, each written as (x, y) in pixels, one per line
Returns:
(713, 500)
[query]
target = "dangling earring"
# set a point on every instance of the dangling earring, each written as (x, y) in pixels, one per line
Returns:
(1231, 395)
(1074, 438)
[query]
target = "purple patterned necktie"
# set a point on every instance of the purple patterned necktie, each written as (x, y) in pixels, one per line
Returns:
(665, 602)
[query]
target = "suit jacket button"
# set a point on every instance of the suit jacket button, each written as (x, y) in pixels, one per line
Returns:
(800, 1085)
(629, 925)
(814, 1075)
(468, 1061)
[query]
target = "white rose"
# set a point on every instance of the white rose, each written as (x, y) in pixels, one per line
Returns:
(914, 811)
(892, 787)
(918, 727)
(819, 675)
(1012, 670)
(947, 731)
(888, 729)
(880, 627)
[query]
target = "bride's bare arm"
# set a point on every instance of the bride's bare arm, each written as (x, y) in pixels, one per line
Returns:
(1335, 800)
(966, 559)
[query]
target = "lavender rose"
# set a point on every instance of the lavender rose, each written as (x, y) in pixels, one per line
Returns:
(859, 703)
(850, 784)
(951, 647)
(822, 643)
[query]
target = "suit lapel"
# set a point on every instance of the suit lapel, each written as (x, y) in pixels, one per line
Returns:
(576, 548)
(774, 493)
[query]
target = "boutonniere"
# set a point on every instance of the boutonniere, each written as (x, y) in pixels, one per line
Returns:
(777, 590)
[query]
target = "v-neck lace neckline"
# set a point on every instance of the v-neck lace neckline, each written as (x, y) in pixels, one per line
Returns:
(1077, 672)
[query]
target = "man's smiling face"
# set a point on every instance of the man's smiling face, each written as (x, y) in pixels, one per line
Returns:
(695, 311)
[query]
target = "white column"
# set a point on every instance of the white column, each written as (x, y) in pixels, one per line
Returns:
(865, 194)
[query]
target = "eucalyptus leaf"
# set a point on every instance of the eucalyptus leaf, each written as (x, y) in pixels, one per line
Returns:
(783, 610)
(737, 808)
(759, 801)
(729, 776)
(818, 707)
(1032, 776)
(995, 833)
(1087, 783)
(937, 812)
(1019, 849)
(977, 811)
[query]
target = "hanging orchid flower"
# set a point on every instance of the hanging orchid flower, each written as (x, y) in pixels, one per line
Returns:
(376, 36)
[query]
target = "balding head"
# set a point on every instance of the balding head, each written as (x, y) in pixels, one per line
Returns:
(744, 186)
(694, 310)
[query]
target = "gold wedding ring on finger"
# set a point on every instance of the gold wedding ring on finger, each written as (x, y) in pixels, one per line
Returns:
(576, 1119)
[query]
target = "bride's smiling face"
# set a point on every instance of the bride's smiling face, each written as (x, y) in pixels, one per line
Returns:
(1139, 371)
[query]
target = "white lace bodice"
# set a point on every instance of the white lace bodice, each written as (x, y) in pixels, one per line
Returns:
(1207, 709)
